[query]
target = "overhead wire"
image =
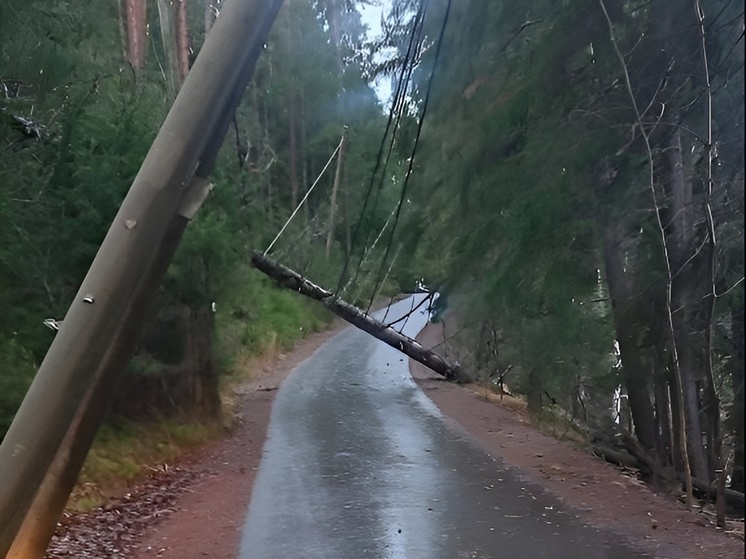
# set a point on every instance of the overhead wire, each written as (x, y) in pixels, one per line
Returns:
(392, 126)
(394, 118)
(308, 192)
(399, 106)
(410, 166)
(367, 252)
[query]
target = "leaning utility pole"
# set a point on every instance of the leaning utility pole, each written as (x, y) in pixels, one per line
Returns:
(335, 189)
(99, 330)
(38, 526)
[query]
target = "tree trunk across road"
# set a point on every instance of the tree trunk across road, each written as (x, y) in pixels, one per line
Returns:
(295, 282)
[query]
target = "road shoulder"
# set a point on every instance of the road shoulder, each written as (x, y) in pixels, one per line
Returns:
(602, 495)
(196, 507)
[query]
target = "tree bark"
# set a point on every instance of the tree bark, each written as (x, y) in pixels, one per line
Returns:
(636, 374)
(295, 282)
(136, 38)
(182, 40)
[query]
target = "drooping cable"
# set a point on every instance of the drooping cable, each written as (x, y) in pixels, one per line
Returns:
(392, 121)
(398, 106)
(414, 149)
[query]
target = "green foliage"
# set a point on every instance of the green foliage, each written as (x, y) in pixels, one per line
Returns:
(19, 369)
(531, 177)
(503, 154)
(76, 121)
(255, 315)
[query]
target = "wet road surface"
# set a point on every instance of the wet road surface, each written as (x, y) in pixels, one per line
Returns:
(359, 464)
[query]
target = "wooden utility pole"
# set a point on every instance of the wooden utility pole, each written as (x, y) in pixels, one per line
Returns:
(335, 189)
(40, 522)
(97, 335)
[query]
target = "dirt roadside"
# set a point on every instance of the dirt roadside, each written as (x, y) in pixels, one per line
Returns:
(197, 508)
(600, 493)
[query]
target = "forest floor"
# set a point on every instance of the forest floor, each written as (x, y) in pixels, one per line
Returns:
(196, 508)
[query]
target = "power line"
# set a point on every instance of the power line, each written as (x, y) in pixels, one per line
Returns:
(295, 211)
(394, 118)
(414, 148)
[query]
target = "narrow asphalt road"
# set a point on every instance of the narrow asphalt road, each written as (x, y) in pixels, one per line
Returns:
(360, 464)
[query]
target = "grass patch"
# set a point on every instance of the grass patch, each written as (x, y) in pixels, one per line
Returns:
(257, 317)
(125, 452)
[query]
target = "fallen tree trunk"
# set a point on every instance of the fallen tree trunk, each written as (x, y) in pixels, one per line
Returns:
(619, 450)
(614, 456)
(292, 280)
(733, 498)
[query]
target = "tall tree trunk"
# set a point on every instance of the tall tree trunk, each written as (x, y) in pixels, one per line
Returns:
(736, 414)
(635, 371)
(267, 173)
(677, 460)
(715, 437)
(333, 15)
(293, 132)
(182, 40)
(199, 363)
(689, 290)
(304, 156)
(168, 41)
(346, 216)
(662, 413)
(534, 399)
(135, 32)
(292, 113)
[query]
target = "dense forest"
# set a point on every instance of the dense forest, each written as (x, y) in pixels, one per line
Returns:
(567, 175)
(576, 194)
(84, 90)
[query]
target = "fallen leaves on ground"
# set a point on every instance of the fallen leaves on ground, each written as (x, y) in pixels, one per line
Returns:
(112, 531)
